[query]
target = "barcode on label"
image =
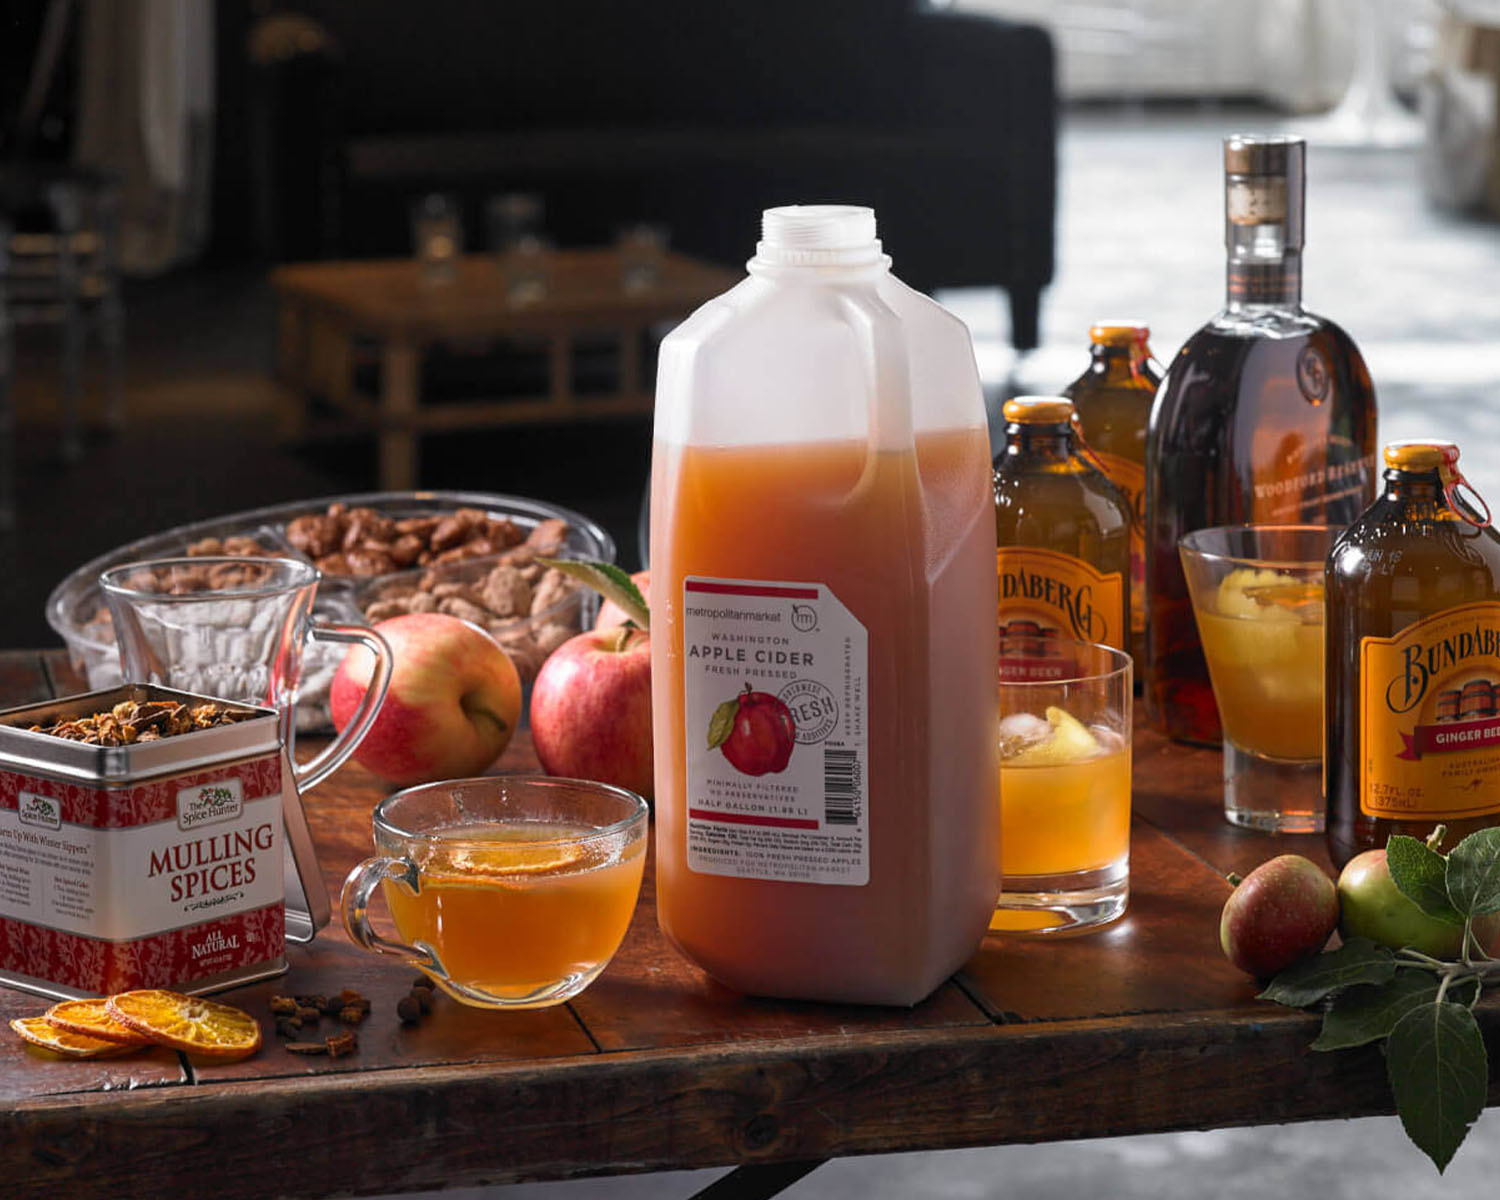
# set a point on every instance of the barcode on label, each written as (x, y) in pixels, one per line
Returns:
(840, 787)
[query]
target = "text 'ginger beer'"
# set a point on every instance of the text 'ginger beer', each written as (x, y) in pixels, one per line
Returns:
(1413, 660)
(823, 634)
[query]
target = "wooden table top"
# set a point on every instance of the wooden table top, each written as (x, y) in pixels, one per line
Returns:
(1142, 1027)
(388, 296)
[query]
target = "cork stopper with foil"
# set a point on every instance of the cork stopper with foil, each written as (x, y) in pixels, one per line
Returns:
(1419, 455)
(1038, 410)
(1118, 333)
(1263, 180)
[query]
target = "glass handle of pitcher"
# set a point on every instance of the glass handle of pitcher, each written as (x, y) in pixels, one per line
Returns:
(332, 757)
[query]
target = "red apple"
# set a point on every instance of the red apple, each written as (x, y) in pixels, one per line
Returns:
(591, 709)
(610, 615)
(453, 703)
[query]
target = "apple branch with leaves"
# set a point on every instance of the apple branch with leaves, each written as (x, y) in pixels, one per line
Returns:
(1420, 1007)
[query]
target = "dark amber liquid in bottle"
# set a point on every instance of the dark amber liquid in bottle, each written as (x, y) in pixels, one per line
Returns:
(1408, 557)
(1113, 400)
(1048, 497)
(1260, 421)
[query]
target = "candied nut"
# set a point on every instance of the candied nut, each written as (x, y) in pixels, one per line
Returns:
(333, 564)
(405, 550)
(288, 1027)
(548, 536)
(451, 531)
(466, 610)
(340, 1044)
(506, 593)
(424, 602)
(409, 1009)
(384, 609)
(208, 545)
(353, 1014)
(366, 562)
(284, 1006)
(245, 547)
(306, 1047)
(554, 588)
(552, 635)
(531, 572)
(466, 551)
(317, 537)
(397, 589)
(454, 587)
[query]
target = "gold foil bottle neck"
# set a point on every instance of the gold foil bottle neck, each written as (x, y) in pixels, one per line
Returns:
(1119, 333)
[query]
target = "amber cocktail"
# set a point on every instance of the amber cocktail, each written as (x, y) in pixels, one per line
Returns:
(1257, 594)
(1065, 793)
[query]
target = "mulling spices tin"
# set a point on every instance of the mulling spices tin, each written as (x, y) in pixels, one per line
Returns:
(155, 864)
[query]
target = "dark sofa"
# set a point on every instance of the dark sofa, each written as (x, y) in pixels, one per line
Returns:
(693, 113)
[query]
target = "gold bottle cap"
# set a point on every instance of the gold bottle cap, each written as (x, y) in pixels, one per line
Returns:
(1039, 410)
(1118, 333)
(1420, 455)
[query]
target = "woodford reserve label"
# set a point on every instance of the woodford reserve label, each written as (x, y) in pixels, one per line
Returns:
(1047, 599)
(158, 883)
(1429, 731)
(1130, 478)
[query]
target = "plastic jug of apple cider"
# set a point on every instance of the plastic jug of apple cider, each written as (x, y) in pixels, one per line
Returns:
(824, 649)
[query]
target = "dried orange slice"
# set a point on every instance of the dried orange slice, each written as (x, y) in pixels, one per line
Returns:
(41, 1032)
(191, 1024)
(91, 1019)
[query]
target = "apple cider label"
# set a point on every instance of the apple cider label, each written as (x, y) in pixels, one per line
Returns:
(1130, 478)
(1429, 730)
(775, 688)
(1048, 599)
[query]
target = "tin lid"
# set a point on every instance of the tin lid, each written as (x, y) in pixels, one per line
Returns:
(1119, 333)
(61, 757)
(1039, 410)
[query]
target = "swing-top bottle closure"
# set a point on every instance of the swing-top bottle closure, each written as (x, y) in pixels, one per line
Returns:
(1420, 457)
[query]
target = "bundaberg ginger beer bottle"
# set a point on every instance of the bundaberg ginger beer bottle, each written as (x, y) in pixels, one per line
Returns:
(1113, 400)
(1413, 660)
(1063, 536)
(1266, 417)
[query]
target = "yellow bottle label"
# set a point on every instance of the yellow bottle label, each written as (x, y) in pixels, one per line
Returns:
(1130, 478)
(1047, 598)
(1429, 732)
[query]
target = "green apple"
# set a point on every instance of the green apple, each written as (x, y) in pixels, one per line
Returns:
(1372, 906)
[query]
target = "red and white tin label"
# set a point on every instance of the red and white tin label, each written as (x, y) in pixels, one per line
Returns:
(162, 882)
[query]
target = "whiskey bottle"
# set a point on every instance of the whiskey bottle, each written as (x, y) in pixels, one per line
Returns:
(1266, 416)
(1413, 657)
(1113, 401)
(1063, 535)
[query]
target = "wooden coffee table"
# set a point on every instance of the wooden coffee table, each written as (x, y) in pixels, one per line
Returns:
(331, 311)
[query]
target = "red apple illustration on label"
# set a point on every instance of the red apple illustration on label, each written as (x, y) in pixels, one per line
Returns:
(756, 732)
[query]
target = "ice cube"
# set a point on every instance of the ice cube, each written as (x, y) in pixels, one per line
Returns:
(1021, 730)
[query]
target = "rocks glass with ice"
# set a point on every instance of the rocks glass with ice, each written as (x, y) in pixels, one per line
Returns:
(1257, 594)
(1065, 712)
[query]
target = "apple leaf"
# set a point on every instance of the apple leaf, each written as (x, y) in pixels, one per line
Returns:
(609, 581)
(1474, 873)
(1421, 875)
(1358, 960)
(1438, 1069)
(722, 723)
(1368, 1012)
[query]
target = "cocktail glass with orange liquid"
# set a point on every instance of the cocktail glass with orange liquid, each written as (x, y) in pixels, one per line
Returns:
(1257, 594)
(1064, 790)
(510, 891)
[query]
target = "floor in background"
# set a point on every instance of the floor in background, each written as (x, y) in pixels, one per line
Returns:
(1140, 235)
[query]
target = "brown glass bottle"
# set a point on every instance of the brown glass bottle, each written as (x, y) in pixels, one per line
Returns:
(1413, 657)
(1113, 401)
(1062, 532)
(1266, 416)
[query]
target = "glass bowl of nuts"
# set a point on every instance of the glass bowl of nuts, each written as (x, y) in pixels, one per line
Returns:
(471, 554)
